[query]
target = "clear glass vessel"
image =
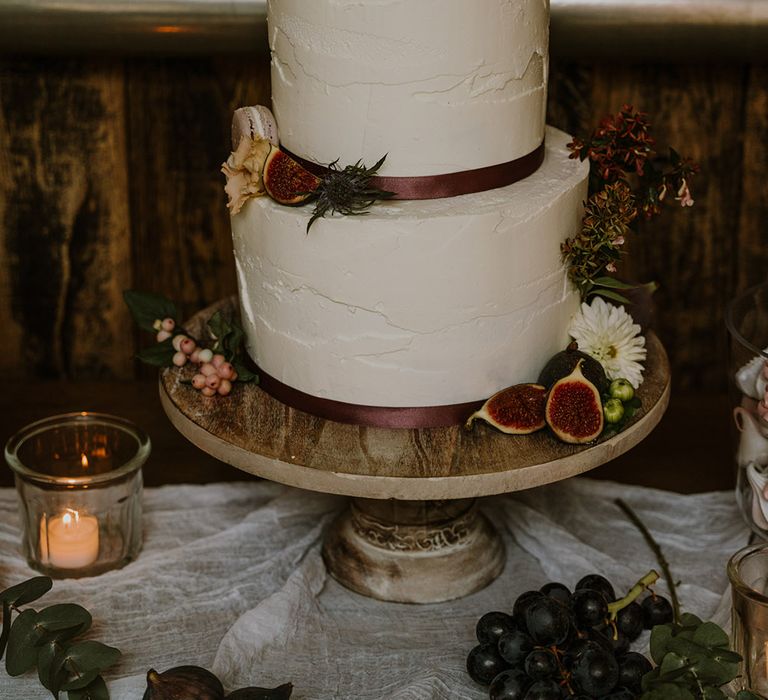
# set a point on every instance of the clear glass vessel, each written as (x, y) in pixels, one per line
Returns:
(748, 573)
(79, 481)
(747, 322)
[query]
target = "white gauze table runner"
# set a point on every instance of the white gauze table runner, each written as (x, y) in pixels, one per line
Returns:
(231, 578)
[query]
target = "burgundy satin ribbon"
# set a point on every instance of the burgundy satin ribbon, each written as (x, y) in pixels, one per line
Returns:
(372, 416)
(449, 184)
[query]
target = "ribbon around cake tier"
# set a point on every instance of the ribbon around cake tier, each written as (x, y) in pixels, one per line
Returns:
(448, 184)
(370, 416)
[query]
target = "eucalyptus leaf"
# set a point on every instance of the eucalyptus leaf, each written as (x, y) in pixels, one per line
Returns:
(90, 656)
(49, 666)
(711, 672)
(609, 294)
(96, 690)
(282, 692)
(64, 617)
(243, 373)
(6, 627)
(159, 354)
(672, 662)
(712, 693)
(219, 328)
(747, 695)
(22, 643)
(711, 635)
(146, 308)
(80, 680)
(690, 620)
(27, 591)
(612, 283)
(727, 656)
(661, 635)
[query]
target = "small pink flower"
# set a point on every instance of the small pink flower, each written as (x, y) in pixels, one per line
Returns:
(187, 346)
(619, 240)
(168, 324)
(610, 267)
(684, 195)
(162, 335)
(226, 371)
(218, 360)
(213, 381)
(207, 369)
(179, 359)
(207, 391)
(225, 387)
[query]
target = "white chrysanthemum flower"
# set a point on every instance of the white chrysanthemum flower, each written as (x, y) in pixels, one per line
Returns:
(610, 335)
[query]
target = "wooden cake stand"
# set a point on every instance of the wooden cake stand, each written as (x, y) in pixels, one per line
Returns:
(413, 532)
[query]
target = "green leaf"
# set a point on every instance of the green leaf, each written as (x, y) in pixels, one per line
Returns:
(90, 656)
(80, 680)
(661, 635)
(49, 666)
(712, 693)
(146, 308)
(27, 591)
(672, 662)
(608, 294)
(282, 692)
(22, 643)
(6, 627)
(727, 656)
(612, 283)
(96, 690)
(159, 354)
(219, 328)
(747, 695)
(243, 373)
(690, 620)
(63, 618)
(711, 635)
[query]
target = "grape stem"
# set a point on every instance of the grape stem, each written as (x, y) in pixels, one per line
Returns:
(656, 549)
(634, 593)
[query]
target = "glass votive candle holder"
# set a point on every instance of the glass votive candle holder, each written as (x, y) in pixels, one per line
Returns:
(78, 478)
(748, 574)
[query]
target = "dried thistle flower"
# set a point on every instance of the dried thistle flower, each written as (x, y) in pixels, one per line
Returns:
(347, 191)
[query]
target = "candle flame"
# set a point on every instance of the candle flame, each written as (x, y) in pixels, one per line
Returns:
(84, 460)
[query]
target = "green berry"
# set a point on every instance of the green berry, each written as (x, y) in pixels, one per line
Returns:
(622, 390)
(613, 410)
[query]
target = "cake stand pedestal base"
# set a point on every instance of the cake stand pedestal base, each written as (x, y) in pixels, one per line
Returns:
(413, 551)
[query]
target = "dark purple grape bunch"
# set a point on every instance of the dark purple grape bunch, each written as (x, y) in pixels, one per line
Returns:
(557, 644)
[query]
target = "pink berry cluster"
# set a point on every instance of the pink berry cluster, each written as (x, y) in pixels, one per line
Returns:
(215, 375)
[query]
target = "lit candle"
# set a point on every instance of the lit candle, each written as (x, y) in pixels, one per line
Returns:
(72, 540)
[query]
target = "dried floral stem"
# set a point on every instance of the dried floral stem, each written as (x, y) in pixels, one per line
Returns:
(656, 549)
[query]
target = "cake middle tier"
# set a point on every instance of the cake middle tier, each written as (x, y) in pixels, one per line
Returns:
(440, 86)
(417, 303)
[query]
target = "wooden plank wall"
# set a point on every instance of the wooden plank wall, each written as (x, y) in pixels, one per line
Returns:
(109, 179)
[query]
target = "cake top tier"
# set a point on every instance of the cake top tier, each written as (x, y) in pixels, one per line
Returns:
(440, 86)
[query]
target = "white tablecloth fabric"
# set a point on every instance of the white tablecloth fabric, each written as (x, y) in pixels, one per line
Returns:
(231, 578)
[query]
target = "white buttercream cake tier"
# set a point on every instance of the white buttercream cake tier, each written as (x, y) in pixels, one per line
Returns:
(417, 303)
(440, 86)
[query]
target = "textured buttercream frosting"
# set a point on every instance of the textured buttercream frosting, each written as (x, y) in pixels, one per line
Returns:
(417, 303)
(440, 86)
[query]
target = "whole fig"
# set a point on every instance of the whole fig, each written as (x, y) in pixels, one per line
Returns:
(562, 364)
(183, 683)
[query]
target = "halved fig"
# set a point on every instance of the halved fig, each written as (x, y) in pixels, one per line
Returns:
(286, 181)
(574, 409)
(517, 410)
